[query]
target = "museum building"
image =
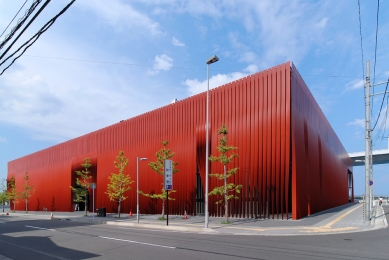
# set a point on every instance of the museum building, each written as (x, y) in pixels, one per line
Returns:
(291, 162)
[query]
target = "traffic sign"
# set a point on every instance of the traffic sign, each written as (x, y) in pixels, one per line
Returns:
(168, 177)
(371, 183)
(93, 185)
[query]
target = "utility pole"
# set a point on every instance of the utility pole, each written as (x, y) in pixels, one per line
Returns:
(367, 144)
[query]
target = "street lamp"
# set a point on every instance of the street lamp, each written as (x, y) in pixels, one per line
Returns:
(137, 186)
(211, 60)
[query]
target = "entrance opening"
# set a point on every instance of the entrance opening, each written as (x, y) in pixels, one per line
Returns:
(80, 206)
(350, 186)
(199, 193)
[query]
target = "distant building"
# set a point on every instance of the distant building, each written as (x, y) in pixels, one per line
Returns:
(291, 163)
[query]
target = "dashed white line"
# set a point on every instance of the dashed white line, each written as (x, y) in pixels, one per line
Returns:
(41, 228)
(136, 242)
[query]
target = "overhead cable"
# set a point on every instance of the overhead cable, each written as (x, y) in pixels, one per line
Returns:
(360, 33)
(25, 28)
(386, 88)
(171, 67)
(35, 37)
(376, 43)
(13, 19)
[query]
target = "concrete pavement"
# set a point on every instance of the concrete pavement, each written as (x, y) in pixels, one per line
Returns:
(343, 219)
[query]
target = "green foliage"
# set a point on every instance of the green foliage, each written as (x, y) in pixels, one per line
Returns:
(27, 192)
(12, 192)
(82, 184)
(221, 190)
(158, 166)
(119, 183)
(229, 190)
(3, 192)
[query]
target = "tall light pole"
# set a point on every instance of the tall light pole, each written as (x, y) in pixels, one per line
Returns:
(137, 186)
(367, 145)
(211, 60)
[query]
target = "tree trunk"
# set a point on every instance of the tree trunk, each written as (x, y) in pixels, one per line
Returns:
(86, 201)
(119, 208)
(163, 208)
(225, 194)
(26, 205)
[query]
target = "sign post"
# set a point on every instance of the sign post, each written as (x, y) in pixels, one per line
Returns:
(168, 184)
(93, 186)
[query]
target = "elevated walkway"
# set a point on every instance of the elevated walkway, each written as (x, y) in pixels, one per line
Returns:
(379, 157)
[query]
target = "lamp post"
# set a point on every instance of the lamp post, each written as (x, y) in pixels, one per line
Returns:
(137, 186)
(211, 60)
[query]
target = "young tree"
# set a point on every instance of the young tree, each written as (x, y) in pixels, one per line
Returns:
(3, 192)
(119, 182)
(157, 166)
(12, 193)
(82, 184)
(27, 190)
(225, 158)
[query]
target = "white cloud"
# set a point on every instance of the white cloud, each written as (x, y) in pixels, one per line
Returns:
(177, 42)
(251, 69)
(249, 57)
(161, 62)
(121, 14)
(323, 22)
(355, 84)
(3, 140)
(195, 86)
(358, 122)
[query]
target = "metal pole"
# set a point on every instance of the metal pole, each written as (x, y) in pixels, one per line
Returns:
(93, 203)
(167, 208)
(137, 191)
(206, 153)
(367, 143)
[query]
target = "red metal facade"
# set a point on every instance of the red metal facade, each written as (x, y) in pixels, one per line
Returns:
(291, 163)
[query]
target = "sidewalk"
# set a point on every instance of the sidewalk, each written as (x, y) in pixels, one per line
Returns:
(343, 219)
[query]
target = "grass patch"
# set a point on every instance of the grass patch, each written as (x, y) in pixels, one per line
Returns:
(226, 222)
(161, 218)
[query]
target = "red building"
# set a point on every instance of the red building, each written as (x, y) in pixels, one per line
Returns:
(291, 163)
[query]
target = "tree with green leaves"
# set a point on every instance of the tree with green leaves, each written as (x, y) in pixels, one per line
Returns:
(119, 183)
(158, 166)
(13, 194)
(3, 192)
(227, 191)
(82, 184)
(28, 190)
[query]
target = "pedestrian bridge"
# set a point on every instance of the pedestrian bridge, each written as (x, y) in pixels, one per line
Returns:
(379, 157)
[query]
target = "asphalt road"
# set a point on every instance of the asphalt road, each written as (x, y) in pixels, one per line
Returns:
(45, 239)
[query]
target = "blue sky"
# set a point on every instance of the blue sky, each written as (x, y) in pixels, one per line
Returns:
(105, 61)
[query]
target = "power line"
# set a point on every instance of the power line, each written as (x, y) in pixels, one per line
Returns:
(25, 28)
(35, 37)
(13, 18)
(376, 43)
(173, 67)
(360, 33)
(383, 99)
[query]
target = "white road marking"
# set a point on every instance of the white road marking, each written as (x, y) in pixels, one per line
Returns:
(136, 242)
(41, 228)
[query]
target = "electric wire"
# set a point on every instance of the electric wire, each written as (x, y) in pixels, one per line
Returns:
(383, 99)
(381, 134)
(360, 33)
(13, 19)
(172, 67)
(25, 28)
(20, 22)
(35, 37)
(376, 43)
